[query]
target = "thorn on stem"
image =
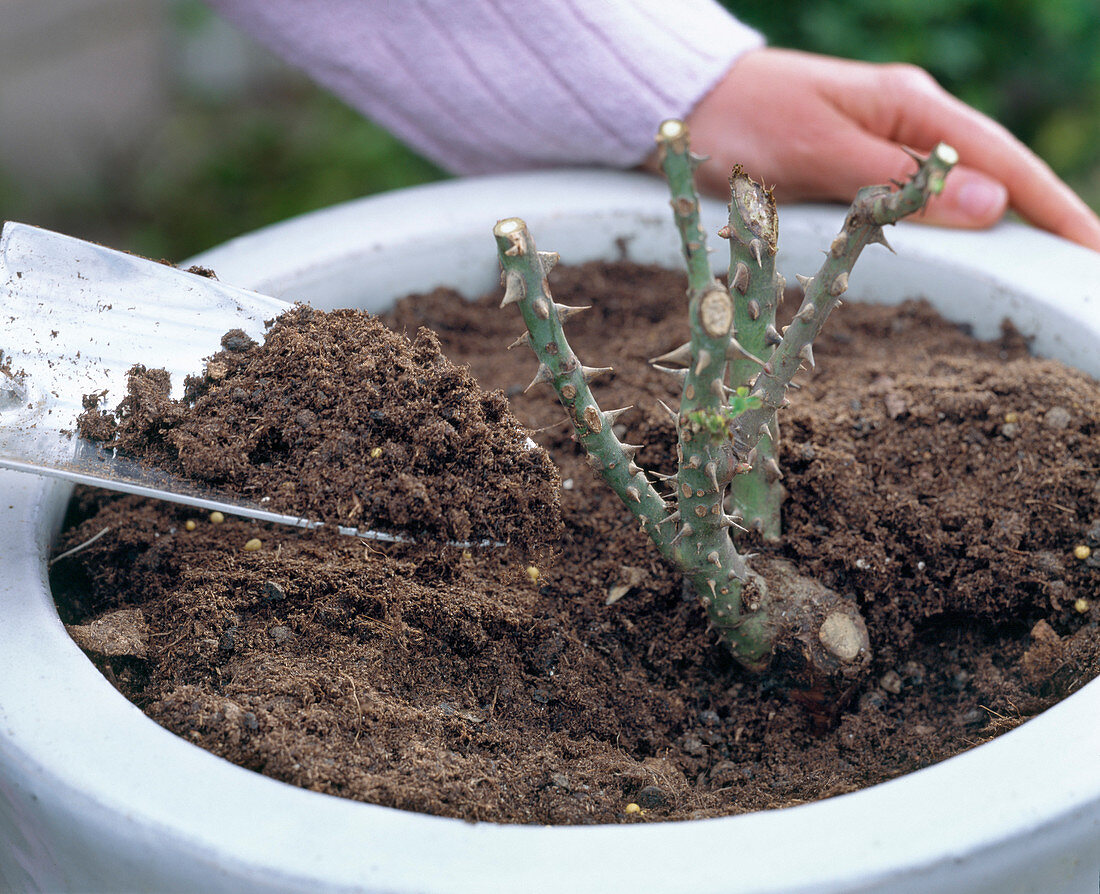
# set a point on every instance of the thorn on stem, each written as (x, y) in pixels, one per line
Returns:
(685, 531)
(740, 279)
(757, 249)
(878, 237)
(515, 288)
(612, 415)
(548, 260)
(806, 352)
(566, 312)
(672, 414)
(681, 355)
(736, 348)
(678, 374)
(541, 377)
(524, 339)
(591, 372)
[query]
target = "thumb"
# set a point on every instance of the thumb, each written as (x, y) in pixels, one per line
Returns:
(970, 200)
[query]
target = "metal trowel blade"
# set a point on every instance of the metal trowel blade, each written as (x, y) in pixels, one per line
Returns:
(74, 318)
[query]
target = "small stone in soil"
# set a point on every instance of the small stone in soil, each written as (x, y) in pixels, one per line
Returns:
(891, 682)
(913, 673)
(237, 340)
(872, 700)
(651, 797)
(974, 717)
(1057, 418)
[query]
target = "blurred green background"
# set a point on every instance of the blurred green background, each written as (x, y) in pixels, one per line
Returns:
(220, 163)
(1032, 65)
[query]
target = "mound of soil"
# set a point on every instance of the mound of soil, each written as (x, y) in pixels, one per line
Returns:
(337, 418)
(942, 482)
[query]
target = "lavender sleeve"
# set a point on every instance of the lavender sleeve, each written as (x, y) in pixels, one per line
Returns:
(485, 85)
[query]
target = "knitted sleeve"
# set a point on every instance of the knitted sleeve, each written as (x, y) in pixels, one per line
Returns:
(487, 85)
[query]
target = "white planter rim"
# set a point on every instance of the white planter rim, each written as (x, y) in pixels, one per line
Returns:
(65, 732)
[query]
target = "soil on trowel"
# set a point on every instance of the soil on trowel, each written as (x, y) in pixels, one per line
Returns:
(951, 487)
(339, 419)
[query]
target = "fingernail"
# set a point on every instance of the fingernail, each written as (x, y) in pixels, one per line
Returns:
(981, 199)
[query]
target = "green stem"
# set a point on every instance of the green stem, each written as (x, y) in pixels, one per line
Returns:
(873, 208)
(524, 271)
(753, 233)
(705, 549)
(717, 441)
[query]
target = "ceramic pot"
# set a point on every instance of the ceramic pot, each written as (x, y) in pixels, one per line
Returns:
(96, 797)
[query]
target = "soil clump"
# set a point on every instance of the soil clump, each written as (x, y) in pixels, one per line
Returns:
(942, 482)
(337, 418)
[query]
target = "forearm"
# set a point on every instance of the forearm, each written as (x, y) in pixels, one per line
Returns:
(483, 86)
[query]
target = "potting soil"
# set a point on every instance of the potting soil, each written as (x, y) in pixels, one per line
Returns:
(339, 419)
(951, 486)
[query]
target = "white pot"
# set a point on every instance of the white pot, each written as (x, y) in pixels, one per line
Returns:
(94, 796)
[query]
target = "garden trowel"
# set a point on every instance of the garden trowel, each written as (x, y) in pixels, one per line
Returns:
(76, 317)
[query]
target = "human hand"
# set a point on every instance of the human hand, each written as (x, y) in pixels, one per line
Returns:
(818, 128)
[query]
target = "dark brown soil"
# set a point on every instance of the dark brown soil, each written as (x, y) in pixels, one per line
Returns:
(337, 418)
(943, 483)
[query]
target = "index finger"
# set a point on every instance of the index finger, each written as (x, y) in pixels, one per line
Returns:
(909, 107)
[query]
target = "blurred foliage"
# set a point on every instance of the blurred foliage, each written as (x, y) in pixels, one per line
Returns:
(216, 169)
(222, 165)
(1030, 64)
(225, 157)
